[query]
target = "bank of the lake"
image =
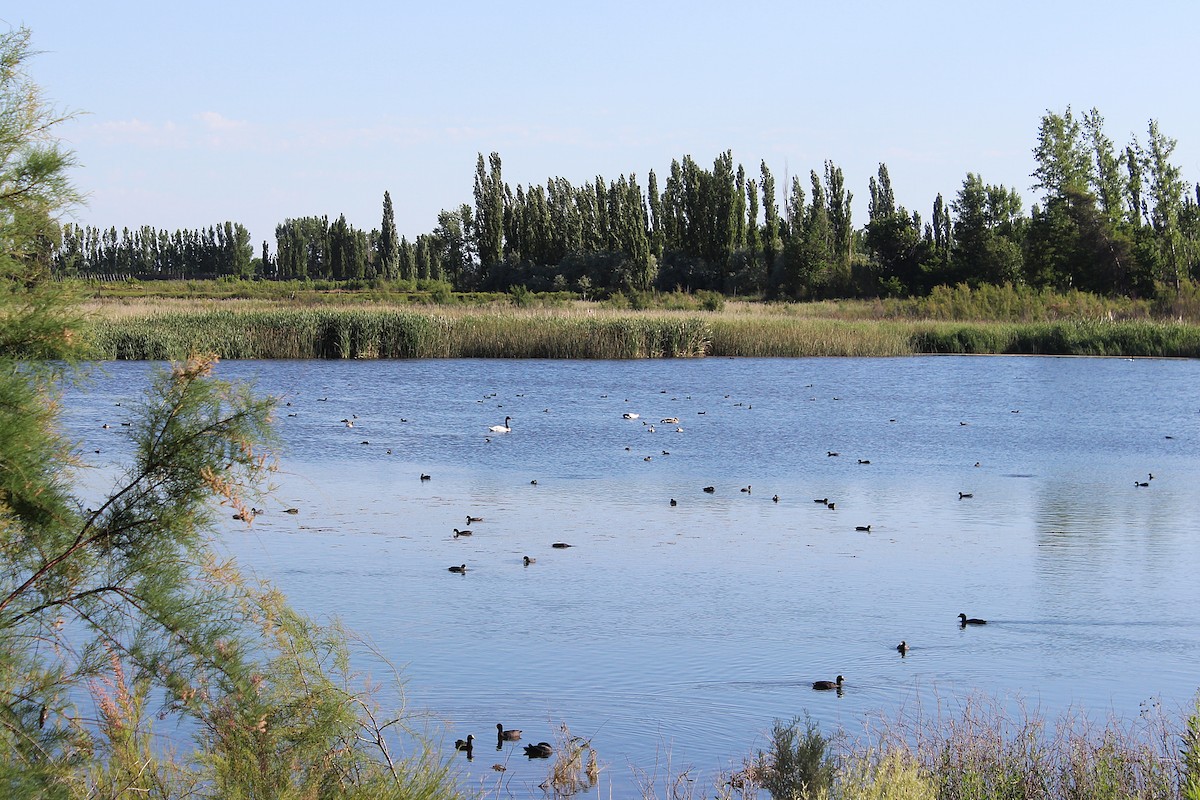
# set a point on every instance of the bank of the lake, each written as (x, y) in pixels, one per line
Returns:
(256, 330)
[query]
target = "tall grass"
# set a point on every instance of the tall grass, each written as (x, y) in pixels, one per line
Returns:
(986, 750)
(255, 329)
(394, 333)
(1070, 337)
(765, 335)
(983, 750)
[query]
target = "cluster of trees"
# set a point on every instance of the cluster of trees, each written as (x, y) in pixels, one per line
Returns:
(1110, 221)
(221, 250)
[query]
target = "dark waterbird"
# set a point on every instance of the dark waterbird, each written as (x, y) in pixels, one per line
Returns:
(510, 735)
(539, 750)
(824, 685)
(964, 620)
(461, 570)
(466, 744)
(902, 648)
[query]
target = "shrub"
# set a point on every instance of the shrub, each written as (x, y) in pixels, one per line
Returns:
(798, 767)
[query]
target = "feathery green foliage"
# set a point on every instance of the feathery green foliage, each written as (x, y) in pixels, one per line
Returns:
(121, 595)
(1191, 756)
(799, 765)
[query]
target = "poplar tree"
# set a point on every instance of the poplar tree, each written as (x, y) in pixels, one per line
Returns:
(1063, 163)
(489, 212)
(387, 246)
(753, 234)
(770, 233)
(406, 260)
(739, 210)
(1106, 172)
(656, 216)
(1166, 194)
(894, 238)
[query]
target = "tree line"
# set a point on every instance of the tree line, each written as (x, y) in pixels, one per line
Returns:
(1110, 220)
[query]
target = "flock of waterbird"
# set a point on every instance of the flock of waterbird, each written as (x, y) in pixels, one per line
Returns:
(838, 683)
(503, 735)
(544, 749)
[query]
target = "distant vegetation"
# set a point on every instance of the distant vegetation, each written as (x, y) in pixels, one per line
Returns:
(1111, 221)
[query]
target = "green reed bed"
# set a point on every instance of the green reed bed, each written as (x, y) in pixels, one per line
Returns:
(770, 336)
(1071, 337)
(391, 333)
(566, 336)
(256, 330)
(292, 333)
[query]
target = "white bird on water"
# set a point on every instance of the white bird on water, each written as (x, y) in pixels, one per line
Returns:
(501, 428)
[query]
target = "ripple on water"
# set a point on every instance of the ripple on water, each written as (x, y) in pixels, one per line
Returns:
(664, 624)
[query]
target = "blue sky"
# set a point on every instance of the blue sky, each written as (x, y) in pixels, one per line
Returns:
(197, 113)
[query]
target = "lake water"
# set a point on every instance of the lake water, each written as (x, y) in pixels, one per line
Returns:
(679, 633)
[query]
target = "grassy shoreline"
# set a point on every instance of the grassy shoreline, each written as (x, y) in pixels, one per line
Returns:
(249, 329)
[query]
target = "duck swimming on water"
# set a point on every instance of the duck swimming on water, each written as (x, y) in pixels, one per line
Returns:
(539, 750)
(964, 620)
(824, 685)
